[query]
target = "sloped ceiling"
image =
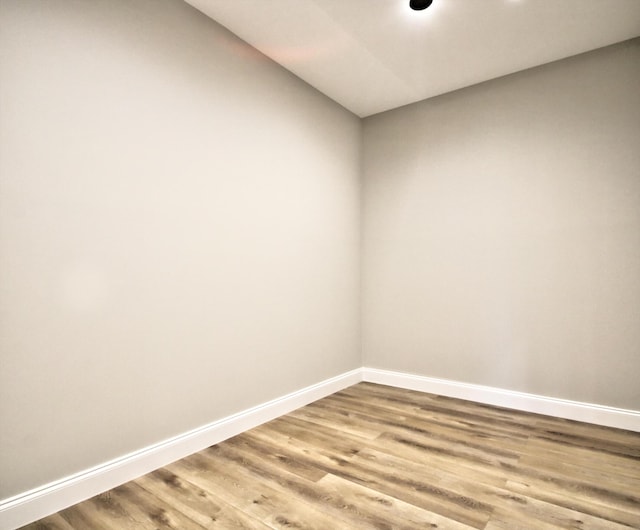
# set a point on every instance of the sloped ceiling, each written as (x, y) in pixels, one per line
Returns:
(375, 55)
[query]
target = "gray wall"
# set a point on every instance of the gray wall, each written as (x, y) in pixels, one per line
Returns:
(502, 232)
(179, 231)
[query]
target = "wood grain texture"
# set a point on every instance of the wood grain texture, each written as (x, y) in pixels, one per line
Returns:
(374, 456)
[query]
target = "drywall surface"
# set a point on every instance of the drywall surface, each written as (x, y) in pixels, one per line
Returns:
(502, 232)
(179, 231)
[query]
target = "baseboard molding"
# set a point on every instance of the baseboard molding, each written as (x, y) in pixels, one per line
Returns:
(561, 408)
(50, 498)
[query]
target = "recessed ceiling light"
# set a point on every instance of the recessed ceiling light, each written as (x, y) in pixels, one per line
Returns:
(419, 5)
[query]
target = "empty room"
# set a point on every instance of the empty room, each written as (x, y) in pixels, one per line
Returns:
(319, 264)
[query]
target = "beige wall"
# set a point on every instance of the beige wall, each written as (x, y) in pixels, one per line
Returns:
(178, 231)
(502, 232)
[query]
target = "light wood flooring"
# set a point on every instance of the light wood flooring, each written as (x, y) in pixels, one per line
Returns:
(373, 456)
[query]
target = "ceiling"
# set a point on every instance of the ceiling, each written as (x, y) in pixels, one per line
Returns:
(375, 55)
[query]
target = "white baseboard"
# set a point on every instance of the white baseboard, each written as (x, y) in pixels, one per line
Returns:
(50, 498)
(561, 408)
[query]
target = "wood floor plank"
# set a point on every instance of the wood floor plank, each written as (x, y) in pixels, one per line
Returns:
(378, 457)
(239, 491)
(346, 420)
(427, 495)
(410, 400)
(583, 456)
(627, 480)
(196, 503)
(607, 493)
(145, 510)
(301, 503)
(94, 513)
(599, 432)
(291, 454)
(53, 522)
(394, 512)
(343, 504)
(323, 437)
(438, 432)
(454, 415)
(272, 504)
(525, 512)
(278, 450)
(613, 514)
(502, 499)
